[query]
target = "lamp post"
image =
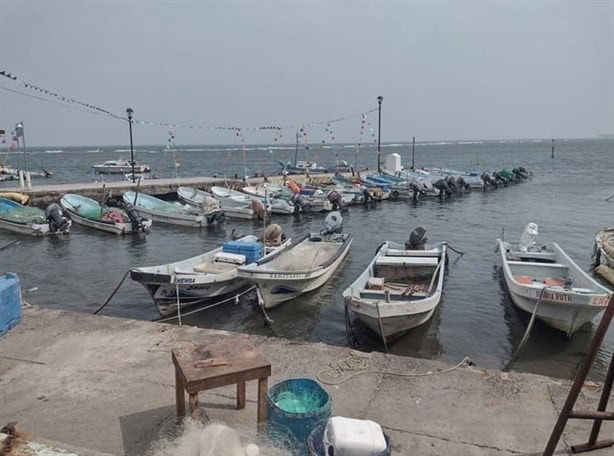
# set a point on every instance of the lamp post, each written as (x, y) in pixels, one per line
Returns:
(379, 132)
(129, 112)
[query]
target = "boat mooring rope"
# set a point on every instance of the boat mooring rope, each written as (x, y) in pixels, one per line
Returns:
(336, 371)
(526, 333)
(234, 298)
(112, 294)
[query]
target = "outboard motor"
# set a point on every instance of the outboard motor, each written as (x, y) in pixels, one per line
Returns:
(520, 172)
(417, 239)
(216, 217)
(451, 181)
(500, 178)
(335, 199)
(55, 216)
(443, 188)
(135, 218)
(462, 183)
(298, 201)
(333, 223)
(416, 190)
(367, 195)
(488, 180)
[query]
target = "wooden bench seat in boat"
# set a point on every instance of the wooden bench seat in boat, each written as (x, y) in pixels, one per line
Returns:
(214, 268)
(406, 261)
(548, 281)
(410, 253)
(531, 263)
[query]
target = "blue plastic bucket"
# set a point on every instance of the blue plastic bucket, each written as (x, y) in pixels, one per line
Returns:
(297, 404)
(315, 444)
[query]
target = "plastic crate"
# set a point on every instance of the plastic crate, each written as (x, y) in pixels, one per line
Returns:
(10, 302)
(251, 250)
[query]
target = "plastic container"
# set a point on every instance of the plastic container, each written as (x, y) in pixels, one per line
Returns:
(251, 250)
(10, 302)
(316, 445)
(307, 392)
(351, 437)
(527, 238)
(232, 258)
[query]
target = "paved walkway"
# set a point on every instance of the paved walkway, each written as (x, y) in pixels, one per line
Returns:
(107, 384)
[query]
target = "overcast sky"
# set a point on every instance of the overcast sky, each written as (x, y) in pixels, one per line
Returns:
(446, 70)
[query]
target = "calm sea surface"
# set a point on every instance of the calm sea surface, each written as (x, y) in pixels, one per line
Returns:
(565, 197)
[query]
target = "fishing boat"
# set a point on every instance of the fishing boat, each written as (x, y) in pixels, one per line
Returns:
(32, 220)
(203, 199)
(544, 280)
(120, 167)
(174, 286)
(400, 288)
(604, 250)
(275, 205)
(221, 193)
(472, 179)
(315, 201)
(90, 213)
(163, 211)
(300, 267)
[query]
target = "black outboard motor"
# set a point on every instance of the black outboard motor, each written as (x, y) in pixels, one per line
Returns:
(135, 218)
(298, 201)
(443, 188)
(55, 216)
(461, 183)
(367, 195)
(451, 181)
(520, 172)
(416, 191)
(500, 178)
(335, 199)
(488, 180)
(217, 217)
(417, 239)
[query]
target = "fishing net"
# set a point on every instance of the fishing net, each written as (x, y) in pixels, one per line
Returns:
(302, 401)
(218, 439)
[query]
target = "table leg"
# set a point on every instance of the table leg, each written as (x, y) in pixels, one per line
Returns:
(179, 395)
(240, 395)
(194, 406)
(262, 390)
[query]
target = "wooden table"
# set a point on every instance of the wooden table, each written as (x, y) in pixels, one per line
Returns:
(220, 364)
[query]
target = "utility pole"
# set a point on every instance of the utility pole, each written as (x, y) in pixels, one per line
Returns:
(379, 132)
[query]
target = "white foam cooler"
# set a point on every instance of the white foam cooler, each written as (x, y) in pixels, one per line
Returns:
(232, 258)
(351, 437)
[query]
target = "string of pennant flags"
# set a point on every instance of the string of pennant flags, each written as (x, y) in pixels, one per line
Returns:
(170, 125)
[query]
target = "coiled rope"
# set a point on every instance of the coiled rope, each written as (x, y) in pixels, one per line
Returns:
(336, 373)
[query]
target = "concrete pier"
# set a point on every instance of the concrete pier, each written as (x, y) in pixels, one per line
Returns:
(42, 195)
(106, 385)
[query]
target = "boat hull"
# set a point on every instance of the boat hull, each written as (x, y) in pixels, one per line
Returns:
(33, 229)
(164, 296)
(564, 308)
(139, 169)
(394, 326)
(114, 228)
(276, 287)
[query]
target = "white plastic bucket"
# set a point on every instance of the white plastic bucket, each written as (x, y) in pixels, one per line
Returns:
(351, 437)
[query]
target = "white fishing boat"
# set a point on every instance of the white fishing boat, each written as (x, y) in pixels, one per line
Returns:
(274, 205)
(32, 220)
(544, 280)
(87, 212)
(163, 211)
(201, 278)
(400, 288)
(230, 207)
(120, 167)
(298, 268)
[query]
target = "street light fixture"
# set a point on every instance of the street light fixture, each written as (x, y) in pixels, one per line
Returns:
(379, 133)
(129, 112)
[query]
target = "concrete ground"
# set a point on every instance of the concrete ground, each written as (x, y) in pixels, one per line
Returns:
(107, 385)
